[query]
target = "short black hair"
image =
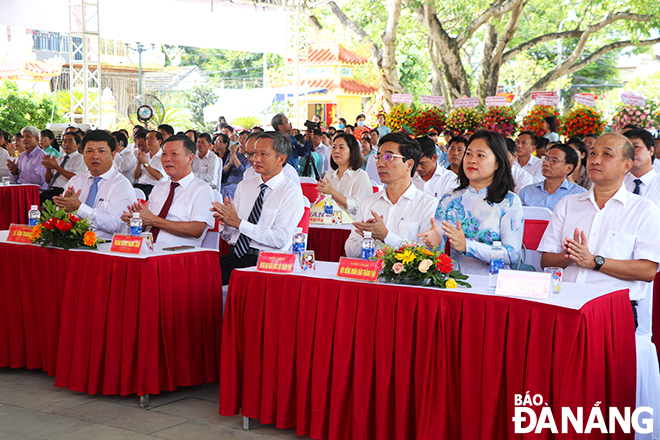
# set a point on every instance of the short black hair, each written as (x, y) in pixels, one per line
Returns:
(225, 138)
(228, 127)
(409, 148)
(167, 129)
(631, 126)
(643, 136)
(502, 180)
(552, 122)
(195, 132)
(570, 155)
(355, 159)
(542, 142)
(5, 135)
(159, 135)
(118, 135)
(590, 135)
(205, 136)
(459, 139)
(100, 136)
(141, 134)
(257, 128)
(581, 146)
(317, 132)
(511, 146)
(188, 144)
(427, 145)
(535, 138)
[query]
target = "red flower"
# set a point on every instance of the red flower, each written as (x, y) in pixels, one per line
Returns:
(50, 224)
(63, 225)
(74, 218)
(444, 263)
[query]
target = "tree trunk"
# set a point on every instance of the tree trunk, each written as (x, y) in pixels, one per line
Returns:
(390, 77)
(488, 79)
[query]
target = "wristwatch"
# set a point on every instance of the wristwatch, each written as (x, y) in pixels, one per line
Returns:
(147, 165)
(599, 262)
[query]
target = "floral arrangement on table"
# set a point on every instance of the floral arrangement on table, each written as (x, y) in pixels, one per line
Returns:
(533, 121)
(631, 114)
(399, 115)
(416, 264)
(581, 120)
(427, 118)
(500, 119)
(68, 231)
(464, 119)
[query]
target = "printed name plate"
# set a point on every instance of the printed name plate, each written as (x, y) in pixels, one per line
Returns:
(546, 93)
(19, 233)
(365, 270)
(402, 98)
(466, 102)
(432, 99)
(584, 99)
(495, 101)
(523, 284)
(127, 244)
(275, 262)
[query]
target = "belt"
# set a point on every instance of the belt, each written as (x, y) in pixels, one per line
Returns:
(250, 251)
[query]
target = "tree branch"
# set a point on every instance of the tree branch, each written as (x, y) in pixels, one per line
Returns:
(493, 11)
(353, 28)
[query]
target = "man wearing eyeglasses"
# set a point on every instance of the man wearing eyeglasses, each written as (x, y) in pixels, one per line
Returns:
(558, 164)
(400, 212)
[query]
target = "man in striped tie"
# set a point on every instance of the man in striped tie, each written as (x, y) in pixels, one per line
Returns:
(266, 209)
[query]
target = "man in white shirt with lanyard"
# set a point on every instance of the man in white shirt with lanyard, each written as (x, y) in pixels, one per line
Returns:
(101, 193)
(206, 163)
(265, 211)
(609, 236)
(178, 209)
(397, 214)
(526, 144)
(149, 170)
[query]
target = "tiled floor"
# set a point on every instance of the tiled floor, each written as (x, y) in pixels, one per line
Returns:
(31, 407)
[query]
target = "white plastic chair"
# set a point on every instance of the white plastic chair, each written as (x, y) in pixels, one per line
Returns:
(140, 194)
(307, 180)
(532, 256)
(372, 170)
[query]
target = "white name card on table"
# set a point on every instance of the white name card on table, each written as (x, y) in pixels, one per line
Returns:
(548, 100)
(523, 284)
(495, 101)
(633, 98)
(466, 102)
(433, 100)
(584, 99)
(402, 98)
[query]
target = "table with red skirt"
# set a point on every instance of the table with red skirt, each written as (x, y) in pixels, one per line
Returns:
(344, 360)
(15, 202)
(105, 323)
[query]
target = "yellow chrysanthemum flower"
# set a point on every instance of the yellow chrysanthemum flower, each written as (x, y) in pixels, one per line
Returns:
(405, 257)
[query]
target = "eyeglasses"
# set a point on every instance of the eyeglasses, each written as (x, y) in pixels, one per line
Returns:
(552, 160)
(249, 155)
(387, 157)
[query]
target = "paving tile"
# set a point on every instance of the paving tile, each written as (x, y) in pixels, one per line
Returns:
(103, 432)
(38, 378)
(203, 431)
(37, 424)
(34, 397)
(139, 420)
(193, 409)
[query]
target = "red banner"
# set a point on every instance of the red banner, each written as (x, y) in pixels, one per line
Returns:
(275, 262)
(19, 233)
(127, 244)
(365, 270)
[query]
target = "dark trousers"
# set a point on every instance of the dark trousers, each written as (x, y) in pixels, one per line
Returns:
(144, 187)
(230, 261)
(48, 194)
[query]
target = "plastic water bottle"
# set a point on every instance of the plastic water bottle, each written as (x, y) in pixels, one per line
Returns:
(34, 215)
(368, 245)
(299, 242)
(136, 224)
(328, 214)
(496, 263)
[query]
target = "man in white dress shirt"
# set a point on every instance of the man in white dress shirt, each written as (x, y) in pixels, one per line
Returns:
(101, 193)
(250, 173)
(521, 178)
(643, 179)
(400, 212)
(60, 170)
(526, 144)
(609, 236)
(178, 209)
(429, 172)
(265, 211)
(125, 159)
(206, 164)
(149, 170)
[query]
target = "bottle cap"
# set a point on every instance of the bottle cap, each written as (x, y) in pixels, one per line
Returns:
(367, 234)
(299, 230)
(497, 244)
(33, 207)
(136, 215)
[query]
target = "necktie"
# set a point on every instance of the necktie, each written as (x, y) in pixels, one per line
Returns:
(165, 209)
(57, 174)
(637, 183)
(243, 242)
(91, 197)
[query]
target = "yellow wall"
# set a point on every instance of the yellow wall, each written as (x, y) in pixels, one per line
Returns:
(349, 107)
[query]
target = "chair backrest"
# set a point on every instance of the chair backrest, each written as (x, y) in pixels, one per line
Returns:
(304, 221)
(309, 190)
(218, 185)
(533, 233)
(372, 170)
(212, 238)
(307, 180)
(217, 196)
(536, 213)
(140, 194)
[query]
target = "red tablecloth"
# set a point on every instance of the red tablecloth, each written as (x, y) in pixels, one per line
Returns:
(327, 244)
(345, 360)
(15, 202)
(108, 324)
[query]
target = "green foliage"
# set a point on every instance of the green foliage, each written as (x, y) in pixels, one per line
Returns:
(221, 64)
(201, 96)
(247, 122)
(21, 108)
(176, 117)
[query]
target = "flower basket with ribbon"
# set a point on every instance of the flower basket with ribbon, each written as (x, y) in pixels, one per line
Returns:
(533, 121)
(581, 120)
(636, 115)
(464, 119)
(500, 120)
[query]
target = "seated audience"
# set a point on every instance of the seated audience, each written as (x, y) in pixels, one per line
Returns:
(365, 149)
(429, 172)
(60, 170)
(525, 145)
(28, 167)
(178, 209)
(382, 128)
(348, 184)
(559, 162)
(101, 193)
(579, 175)
(289, 171)
(5, 155)
(483, 209)
(206, 165)
(521, 178)
(233, 164)
(125, 160)
(642, 178)
(266, 211)
(398, 213)
(149, 169)
(49, 144)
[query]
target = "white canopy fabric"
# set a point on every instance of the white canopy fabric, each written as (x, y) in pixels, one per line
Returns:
(199, 23)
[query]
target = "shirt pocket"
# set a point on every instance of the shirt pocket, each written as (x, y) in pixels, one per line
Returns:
(409, 230)
(619, 246)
